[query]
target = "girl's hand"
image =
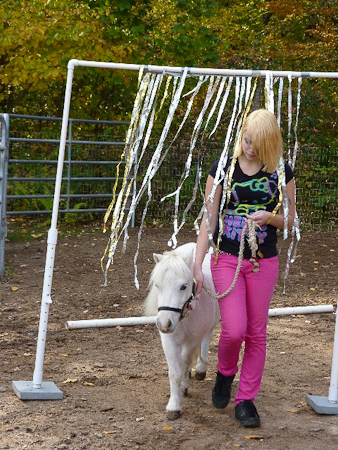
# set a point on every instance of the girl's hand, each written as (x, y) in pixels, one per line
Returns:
(198, 275)
(260, 217)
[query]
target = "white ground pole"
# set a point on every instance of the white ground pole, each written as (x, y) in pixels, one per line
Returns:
(329, 404)
(127, 321)
(38, 389)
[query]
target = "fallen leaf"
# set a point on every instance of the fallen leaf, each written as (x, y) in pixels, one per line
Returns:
(139, 419)
(71, 380)
(254, 436)
(14, 288)
(312, 289)
(65, 355)
(27, 354)
(293, 410)
(36, 235)
(167, 427)
(86, 383)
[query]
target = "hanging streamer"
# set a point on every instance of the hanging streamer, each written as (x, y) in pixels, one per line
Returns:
(220, 174)
(295, 232)
(154, 163)
(228, 176)
(194, 91)
(223, 103)
(280, 93)
(199, 163)
(210, 92)
(138, 136)
(293, 162)
(147, 91)
(153, 102)
(289, 117)
(220, 112)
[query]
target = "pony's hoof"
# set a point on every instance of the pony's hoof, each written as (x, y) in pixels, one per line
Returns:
(200, 375)
(173, 415)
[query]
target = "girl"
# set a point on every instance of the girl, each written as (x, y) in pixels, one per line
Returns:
(255, 193)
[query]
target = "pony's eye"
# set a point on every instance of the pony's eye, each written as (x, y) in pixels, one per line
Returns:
(156, 285)
(183, 287)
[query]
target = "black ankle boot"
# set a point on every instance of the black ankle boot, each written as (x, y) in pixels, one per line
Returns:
(247, 414)
(222, 390)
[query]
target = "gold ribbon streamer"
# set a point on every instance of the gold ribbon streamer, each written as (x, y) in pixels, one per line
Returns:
(231, 170)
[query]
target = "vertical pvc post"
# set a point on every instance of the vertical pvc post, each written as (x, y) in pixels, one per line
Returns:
(333, 390)
(329, 404)
(40, 390)
(52, 239)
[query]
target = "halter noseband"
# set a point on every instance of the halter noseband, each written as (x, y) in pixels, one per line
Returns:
(185, 308)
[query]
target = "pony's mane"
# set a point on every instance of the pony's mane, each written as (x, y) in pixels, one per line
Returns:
(171, 261)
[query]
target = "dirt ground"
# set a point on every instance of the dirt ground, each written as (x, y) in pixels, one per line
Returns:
(114, 380)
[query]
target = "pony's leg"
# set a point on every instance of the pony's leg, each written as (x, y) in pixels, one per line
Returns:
(172, 352)
(202, 358)
(187, 357)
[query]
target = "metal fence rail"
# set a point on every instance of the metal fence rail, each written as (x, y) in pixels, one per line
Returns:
(4, 123)
(46, 148)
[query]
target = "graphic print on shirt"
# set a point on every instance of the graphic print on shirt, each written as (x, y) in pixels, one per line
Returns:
(246, 198)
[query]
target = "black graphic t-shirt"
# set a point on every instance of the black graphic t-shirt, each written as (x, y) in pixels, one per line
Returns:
(250, 193)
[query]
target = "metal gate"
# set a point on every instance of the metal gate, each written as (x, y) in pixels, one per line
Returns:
(29, 161)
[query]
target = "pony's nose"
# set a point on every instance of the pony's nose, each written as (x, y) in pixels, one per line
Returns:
(164, 327)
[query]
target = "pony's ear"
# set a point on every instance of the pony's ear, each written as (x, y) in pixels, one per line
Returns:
(157, 257)
(189, 258)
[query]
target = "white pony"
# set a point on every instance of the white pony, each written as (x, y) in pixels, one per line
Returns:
(185, 323)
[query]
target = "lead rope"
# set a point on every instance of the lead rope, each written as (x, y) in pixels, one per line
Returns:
(250, 227)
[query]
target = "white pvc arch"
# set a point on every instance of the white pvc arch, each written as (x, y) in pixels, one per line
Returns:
(38, 389)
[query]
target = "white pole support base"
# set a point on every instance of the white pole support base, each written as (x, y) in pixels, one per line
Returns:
(26, 391)
(322, 405)
(329, 404)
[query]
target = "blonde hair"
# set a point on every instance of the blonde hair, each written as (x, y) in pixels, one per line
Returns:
(266, 138)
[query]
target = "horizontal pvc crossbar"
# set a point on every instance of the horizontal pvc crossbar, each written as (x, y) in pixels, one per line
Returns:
(123, 321)
(127, 321)
(200, 71)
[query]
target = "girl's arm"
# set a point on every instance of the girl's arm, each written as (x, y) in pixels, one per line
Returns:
(203, 240)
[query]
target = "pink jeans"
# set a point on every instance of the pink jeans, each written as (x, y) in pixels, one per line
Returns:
(244, 317)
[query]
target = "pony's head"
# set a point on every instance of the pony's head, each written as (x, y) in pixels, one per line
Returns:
(171, 286)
